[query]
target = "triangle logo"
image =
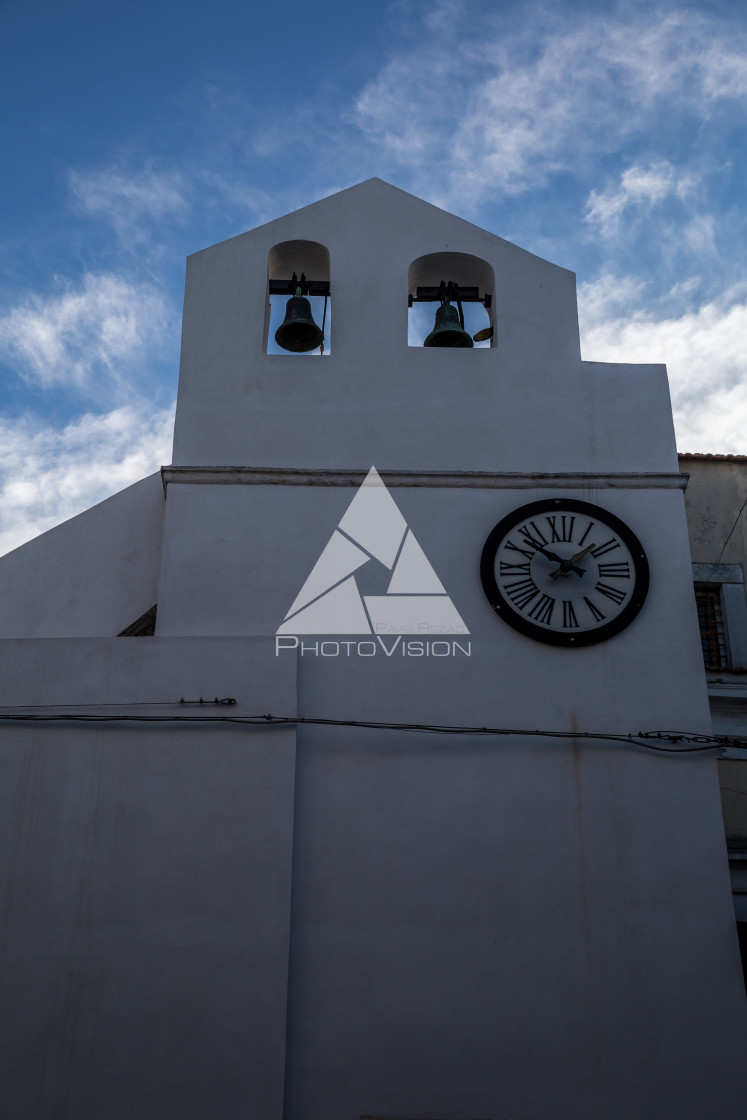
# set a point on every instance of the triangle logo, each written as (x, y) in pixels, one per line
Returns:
(372, 530)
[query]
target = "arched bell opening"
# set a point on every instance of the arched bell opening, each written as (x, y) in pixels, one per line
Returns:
(450, 298)
(299, 306)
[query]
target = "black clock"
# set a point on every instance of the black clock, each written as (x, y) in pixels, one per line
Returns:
(565, 572)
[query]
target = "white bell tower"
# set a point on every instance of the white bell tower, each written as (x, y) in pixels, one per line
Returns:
(425, 865)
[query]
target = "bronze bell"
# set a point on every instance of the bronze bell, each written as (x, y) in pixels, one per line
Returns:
(448, 331)
(298, 332)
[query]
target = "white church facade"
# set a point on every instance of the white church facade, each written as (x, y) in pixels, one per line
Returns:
(279, 841)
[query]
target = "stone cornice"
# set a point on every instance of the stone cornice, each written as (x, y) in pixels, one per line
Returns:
(478, 480)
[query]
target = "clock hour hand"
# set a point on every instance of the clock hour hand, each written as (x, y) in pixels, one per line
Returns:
(570, 565)
(580, 555)
(565, 569)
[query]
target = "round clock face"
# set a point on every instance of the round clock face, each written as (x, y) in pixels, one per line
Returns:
(564, 572)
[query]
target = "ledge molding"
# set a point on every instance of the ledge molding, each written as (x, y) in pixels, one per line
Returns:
(479, 480)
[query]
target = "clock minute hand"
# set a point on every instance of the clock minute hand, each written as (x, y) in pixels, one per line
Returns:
(565, 565)
(545, 552)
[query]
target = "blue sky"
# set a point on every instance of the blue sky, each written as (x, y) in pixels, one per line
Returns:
(609, 138)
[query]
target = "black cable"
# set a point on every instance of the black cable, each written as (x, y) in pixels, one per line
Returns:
(226, 701)
(693, 741)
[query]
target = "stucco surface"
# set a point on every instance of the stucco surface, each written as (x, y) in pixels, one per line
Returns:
(146, 867)
(716, 492)
(501, 929)
(91, 576)
(376, 399)
(236, 556)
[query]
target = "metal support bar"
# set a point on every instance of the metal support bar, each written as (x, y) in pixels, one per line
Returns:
(451, 291)
(308, 287)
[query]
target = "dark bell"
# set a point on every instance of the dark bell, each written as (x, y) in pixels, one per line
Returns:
(448, 331)
(298, 332)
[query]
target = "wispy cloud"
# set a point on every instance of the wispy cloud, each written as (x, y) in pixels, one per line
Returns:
(130, 201)
(460, 116)
(505, 112)
(153, 211)
(639, 189)
(703, 349)
(48, 474)
(88, 337)
(470, 108)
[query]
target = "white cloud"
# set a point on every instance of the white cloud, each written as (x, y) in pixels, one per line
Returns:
(128, 201)
(641, 187)
(89, 337)
(49, 474)
(699, 235)
(504, 112)
(144, 206)
(702, 348)
(608, 297)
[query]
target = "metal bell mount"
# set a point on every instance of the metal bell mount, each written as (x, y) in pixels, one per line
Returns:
(448, 330)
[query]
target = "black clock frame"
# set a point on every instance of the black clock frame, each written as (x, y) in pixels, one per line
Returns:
(554, 637)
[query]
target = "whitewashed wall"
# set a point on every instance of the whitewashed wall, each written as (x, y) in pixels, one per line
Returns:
(495, 927)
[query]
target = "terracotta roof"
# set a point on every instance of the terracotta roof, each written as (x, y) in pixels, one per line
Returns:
(707, 455)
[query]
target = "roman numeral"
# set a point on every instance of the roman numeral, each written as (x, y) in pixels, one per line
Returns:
(589, 527)
(608, 546)
(522, 592)
(614, 571)
(613, 593)
(569, 615)
(534, 535)
(513, 569)
(542, 610)
(562, 533)
(598, 616)
(523, 551)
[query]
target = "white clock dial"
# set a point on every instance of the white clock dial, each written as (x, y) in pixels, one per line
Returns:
(565, 572)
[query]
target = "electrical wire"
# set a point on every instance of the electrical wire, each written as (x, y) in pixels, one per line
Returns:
(648, 740)
(226, 701)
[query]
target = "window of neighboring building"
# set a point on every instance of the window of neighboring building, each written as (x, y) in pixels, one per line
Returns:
(711, 622)
(742, 934)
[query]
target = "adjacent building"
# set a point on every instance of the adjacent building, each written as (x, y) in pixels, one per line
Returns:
(716, 501)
